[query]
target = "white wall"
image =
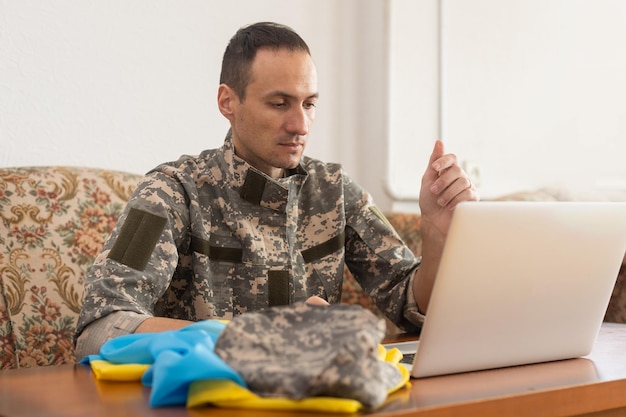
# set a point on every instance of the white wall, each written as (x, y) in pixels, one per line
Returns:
(530, 92)
(128, 84)
(414, 96)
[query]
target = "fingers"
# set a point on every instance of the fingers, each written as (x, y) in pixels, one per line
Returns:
(459, 189)
(435, 163)
(438, 152)
(451, 184)
(315, 300)
(442, 162)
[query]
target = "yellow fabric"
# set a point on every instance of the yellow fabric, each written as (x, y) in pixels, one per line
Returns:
(394, 356)
(228, 394)
(108, 371)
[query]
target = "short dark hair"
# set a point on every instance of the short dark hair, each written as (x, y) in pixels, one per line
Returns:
(243, 46)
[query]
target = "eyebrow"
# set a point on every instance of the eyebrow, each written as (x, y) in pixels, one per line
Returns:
(289, 96)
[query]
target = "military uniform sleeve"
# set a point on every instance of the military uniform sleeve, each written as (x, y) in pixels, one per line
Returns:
(115, 324)
(379, 260)
(411, 309)
(140, 257)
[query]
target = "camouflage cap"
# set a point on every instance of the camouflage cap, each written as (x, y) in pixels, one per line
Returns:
(303, 350)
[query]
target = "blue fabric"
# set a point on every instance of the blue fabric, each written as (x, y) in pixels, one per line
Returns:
(178, 358)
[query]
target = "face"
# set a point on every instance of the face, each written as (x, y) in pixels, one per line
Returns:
(271, 125)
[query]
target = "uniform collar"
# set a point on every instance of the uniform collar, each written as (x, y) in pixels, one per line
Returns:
(255, 186)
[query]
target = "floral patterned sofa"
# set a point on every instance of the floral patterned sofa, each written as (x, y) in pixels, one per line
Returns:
(54, 223)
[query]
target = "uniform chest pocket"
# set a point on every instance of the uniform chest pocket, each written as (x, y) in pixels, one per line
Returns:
(233, 285)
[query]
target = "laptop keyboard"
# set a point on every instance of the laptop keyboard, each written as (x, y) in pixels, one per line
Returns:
(408, 358)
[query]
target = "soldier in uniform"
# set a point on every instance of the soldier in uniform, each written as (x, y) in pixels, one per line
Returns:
(255, 223)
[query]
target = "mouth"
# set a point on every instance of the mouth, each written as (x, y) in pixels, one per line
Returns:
(292, 145)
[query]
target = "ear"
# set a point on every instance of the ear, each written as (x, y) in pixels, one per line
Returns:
(226, 101)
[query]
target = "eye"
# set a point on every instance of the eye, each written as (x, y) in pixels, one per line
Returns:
(309, 105)
(279, 105)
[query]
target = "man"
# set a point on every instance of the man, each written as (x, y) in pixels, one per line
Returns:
(255, 223)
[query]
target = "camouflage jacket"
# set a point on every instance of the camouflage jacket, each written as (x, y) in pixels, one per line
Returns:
(210, 236)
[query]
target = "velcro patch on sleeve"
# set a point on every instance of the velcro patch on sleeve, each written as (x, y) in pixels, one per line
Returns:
(137, 239)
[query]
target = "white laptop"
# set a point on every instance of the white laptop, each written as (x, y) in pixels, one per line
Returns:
(520, 283)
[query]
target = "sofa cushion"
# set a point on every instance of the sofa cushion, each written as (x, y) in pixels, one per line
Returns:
(616, 311)
(55, 221)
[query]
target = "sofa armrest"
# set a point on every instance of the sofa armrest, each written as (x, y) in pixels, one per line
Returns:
(55, 220)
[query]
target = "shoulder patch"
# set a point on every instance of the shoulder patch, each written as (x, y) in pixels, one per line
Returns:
(137, 239)
(381, 216)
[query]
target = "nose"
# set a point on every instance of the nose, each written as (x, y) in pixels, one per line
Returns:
(298, 121)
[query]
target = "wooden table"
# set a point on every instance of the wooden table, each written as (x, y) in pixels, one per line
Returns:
(594, 385)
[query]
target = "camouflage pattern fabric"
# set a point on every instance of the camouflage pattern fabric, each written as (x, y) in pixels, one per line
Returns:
(209, 236)
(303, 351)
